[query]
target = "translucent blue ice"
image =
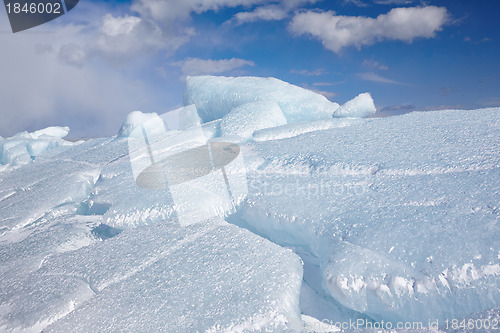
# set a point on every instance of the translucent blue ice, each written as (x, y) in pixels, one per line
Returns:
(215, 97)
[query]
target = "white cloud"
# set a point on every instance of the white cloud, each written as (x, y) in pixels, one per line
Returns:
(374, 77)
(263, 13)
(337, 32)
(175, 10)
(196, 66)
(128, 35)
(272, 12)
(157, 25)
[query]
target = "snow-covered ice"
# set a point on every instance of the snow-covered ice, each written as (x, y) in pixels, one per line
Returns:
(394, 219)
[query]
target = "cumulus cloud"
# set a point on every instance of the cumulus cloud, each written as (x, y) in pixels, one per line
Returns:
(196, 66)
(127, 36)
(337, 32)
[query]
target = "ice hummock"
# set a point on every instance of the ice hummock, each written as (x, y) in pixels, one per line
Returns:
(215, 97)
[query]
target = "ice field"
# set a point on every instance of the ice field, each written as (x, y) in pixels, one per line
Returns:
(311, 215)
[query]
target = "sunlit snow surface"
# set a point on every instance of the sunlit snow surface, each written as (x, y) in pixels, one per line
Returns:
(395, 219)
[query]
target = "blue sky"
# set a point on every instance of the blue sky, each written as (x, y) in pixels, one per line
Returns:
(91, 67)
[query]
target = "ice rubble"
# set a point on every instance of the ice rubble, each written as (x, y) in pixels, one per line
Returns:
(24, 147)
(389, 227)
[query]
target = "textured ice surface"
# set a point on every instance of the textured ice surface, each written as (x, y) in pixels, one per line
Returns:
(402, 212)
(203, 277)
(206, 276)
(245, 119)
(215, 97)
(24, 147)
(298, 128)
(39, 190)
(358, 107)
